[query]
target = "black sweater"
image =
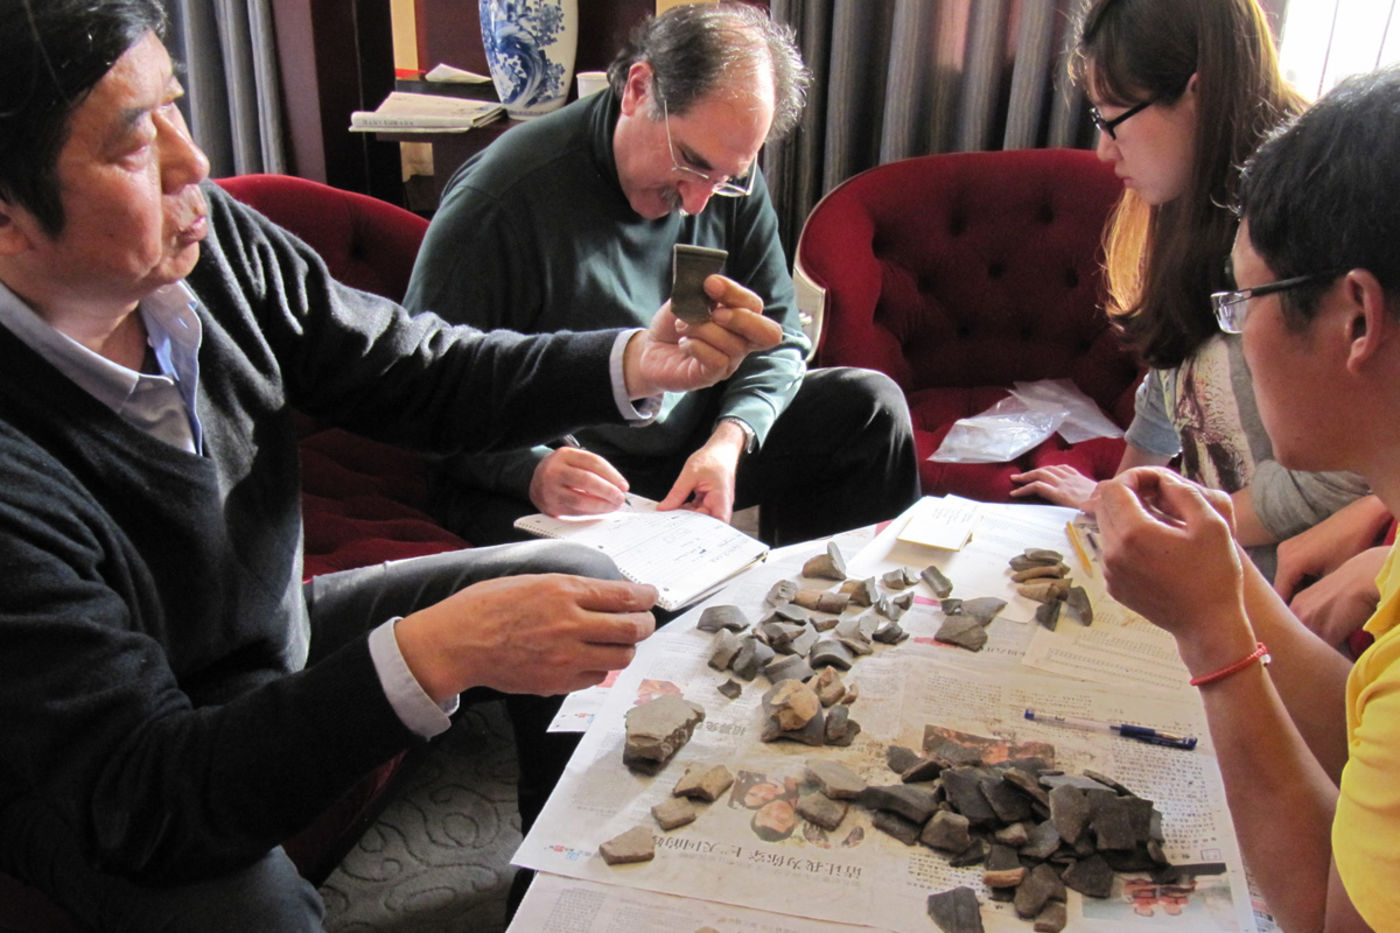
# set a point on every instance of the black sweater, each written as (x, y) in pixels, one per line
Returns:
(152, 627)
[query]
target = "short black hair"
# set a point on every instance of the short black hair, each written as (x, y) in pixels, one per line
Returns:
(1323, 193)
(52, 53)
(691, 48)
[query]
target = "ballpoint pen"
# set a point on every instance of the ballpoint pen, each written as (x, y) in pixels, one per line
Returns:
(629, 501)
(1128, 731)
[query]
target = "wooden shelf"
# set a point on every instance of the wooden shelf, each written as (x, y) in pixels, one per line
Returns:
(450, 150)
(449, 32)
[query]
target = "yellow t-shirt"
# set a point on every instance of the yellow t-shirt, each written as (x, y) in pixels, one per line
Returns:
(1366, 830)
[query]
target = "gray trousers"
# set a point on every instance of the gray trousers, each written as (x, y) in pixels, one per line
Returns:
(269, 895)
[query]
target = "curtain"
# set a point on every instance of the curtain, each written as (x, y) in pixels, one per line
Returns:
(233, 94)
(1325, 41)
(898, 78)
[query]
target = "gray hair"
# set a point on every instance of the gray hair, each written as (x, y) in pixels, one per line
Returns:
(694, 48)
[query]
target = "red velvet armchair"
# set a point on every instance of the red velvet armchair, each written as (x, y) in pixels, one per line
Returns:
(362, 502)
(959, 274)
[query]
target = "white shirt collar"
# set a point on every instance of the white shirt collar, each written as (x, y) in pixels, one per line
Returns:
(174, 334)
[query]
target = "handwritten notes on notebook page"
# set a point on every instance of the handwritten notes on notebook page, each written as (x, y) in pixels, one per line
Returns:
(683, 554)
(944, 522)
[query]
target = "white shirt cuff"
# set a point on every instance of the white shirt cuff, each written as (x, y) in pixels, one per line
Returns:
(644, 410)
(415, 709)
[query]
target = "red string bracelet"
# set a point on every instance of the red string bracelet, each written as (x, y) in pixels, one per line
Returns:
(1260, 654)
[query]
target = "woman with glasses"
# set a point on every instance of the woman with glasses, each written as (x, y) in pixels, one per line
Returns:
(1309, 746)
(1182, 92)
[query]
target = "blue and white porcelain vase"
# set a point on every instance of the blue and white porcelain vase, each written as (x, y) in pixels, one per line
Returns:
(530, 47)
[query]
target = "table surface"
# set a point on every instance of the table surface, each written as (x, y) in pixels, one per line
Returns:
(716, 871)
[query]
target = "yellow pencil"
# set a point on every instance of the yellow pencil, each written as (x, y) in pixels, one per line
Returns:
(1073, 534)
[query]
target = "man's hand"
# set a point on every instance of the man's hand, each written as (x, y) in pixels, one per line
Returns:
(537, 633)
(1342, 601)
(706, 483)
(674, 356)
(1170, 556)
(1058, 483)
(1324, 547)
(570, 481)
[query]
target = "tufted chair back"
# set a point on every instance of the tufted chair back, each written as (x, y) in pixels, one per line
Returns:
(362, 502)
(960, 274)
(366, 243)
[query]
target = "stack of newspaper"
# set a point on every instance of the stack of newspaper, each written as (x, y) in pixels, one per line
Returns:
(406, 112)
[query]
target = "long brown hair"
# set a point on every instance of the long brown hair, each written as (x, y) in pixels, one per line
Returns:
(1163, 261)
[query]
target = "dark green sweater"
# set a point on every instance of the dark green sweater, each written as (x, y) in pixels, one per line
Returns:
(535, 234)
(152, 627)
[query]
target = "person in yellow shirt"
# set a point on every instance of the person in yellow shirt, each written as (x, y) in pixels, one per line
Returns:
(1308, 746)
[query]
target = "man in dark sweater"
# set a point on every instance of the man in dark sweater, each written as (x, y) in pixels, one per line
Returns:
(568, 222)
(175, 702)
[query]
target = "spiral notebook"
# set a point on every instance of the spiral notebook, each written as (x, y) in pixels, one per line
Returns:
(685, 555)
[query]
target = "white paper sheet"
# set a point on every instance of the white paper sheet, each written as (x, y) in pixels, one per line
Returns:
(1119, 649)
(578, 709)
(942, 523)
(683, 554)
(555, 904)
(857, 872)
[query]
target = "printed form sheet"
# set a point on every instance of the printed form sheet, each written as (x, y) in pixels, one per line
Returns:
(856, 874)
(556, 904)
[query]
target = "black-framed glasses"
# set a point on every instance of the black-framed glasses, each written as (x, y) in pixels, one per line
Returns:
(723, 186)
(1231, 308)
(1111, 126)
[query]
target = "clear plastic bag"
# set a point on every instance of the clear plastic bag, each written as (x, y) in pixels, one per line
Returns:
(1001, 433)
(1033, 412)
(1084, 419)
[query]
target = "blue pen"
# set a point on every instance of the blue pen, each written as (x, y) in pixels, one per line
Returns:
(1139, 733)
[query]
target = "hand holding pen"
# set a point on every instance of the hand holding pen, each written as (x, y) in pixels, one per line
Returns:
(574, 481)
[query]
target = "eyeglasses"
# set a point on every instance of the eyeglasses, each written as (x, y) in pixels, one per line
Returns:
(722, 186)
(1111, 126)
(1231, 308)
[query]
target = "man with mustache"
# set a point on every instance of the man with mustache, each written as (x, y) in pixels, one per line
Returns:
(175, 701)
